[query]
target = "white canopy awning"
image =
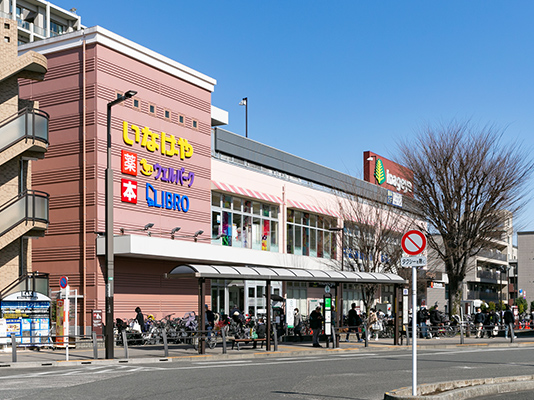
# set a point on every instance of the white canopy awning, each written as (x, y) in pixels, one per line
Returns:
(281, 274)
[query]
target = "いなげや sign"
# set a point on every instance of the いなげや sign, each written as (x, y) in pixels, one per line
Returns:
(413, 242)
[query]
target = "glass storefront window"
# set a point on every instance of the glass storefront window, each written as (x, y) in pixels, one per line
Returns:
(216, 199)
(247, 204)
(313, 243)
(256, 208)
(237, 230)
(247, 232)
(265, 238)
(305, 241)
(227, 227)
(274, 236)
(227, 201)
(290, 242)
(308, 235)
(290, 216)
(237, 204)
(256, 234)
(245, 223)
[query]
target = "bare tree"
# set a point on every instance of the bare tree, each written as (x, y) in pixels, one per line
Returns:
(466, 181)
(372, 233)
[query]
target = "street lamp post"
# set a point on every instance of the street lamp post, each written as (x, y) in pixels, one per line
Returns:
(371, 158)
(244, 102)
(109, 270)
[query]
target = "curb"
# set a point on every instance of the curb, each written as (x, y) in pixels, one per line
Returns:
(466, 389)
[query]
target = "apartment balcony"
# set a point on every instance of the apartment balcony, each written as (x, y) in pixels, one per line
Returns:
(25, 133)
(493, 255)
(492, 276)
(482, 295)
(24, 215)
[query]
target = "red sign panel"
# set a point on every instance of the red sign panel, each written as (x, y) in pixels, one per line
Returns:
(128, 163)
(386, 173)
(413, 242)
(129, 191)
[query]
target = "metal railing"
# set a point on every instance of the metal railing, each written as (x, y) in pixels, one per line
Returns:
(482, 295)
(31, 205)
(28, 123)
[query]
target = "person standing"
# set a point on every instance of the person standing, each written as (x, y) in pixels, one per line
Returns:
(354, 321)
(422, 317)
(140, 319)
(316, 324)
(297, 323)
(372, 324)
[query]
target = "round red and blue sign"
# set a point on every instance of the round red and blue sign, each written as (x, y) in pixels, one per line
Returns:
(63, 282)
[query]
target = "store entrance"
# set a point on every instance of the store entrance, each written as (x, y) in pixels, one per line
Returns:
(236, 295)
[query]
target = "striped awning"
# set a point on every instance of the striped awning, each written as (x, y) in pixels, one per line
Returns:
(312, 208)
(225, 187)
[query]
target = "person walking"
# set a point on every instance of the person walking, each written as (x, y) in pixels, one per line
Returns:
(316, 324)
(508, 322)
(354, 321)
(480, 318)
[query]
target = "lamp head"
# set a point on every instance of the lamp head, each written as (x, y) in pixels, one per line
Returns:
(148, 226)
(129, 94)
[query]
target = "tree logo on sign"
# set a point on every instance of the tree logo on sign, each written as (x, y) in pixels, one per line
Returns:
(380, 175)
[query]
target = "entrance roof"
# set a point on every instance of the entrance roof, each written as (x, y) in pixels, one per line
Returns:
(280, 274)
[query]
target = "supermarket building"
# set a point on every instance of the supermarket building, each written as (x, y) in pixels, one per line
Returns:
(186, 192)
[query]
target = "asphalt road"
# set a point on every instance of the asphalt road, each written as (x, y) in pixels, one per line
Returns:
(344, 375)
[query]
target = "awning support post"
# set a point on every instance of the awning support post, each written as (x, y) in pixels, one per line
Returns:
(268, 341)
(202, 314)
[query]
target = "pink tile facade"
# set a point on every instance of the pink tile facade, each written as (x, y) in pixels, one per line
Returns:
(76, 162)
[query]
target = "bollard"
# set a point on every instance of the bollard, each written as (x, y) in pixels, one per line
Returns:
(223, 333)
(125, 342)
(95, 346)
(165, 345)
(512, 333)
(366, 335)
(275, 339)
(13, 348)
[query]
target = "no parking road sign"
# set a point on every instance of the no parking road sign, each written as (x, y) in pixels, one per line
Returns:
(413, 242)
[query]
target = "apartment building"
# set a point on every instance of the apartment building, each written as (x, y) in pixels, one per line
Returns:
(39, 19)
(23, 139)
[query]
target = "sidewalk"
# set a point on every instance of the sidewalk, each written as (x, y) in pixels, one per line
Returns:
(155, 353)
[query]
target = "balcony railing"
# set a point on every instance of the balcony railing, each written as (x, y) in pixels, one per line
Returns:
(488, 275)
(29, 124)
(482, 295)
(493, 254)
(31, 206)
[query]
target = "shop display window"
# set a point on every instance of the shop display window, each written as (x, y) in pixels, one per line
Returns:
(244, 223)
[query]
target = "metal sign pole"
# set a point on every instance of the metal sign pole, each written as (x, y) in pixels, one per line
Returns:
(414, 331)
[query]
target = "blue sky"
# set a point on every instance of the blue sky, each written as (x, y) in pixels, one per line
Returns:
(328, 80)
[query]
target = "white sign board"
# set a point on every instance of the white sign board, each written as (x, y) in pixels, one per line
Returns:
(413, 261)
